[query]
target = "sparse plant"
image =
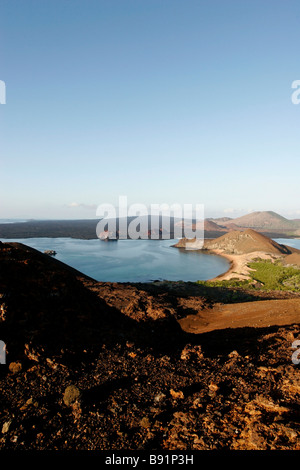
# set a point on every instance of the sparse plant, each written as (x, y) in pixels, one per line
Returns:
(275, 276)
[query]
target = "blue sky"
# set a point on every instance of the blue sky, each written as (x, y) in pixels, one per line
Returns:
(164, 101)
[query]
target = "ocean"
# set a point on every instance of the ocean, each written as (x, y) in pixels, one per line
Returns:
(135, 260)
(131, 260)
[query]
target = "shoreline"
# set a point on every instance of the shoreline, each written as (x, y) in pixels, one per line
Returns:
(238, 268)
(238, 263)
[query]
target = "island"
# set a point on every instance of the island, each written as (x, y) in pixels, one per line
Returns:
(242, 247)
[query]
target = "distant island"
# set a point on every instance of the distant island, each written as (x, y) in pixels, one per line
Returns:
(268, 223)
(241, 247)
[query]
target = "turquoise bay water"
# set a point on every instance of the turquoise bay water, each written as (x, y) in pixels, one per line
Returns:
(135, 260)
(131, 260)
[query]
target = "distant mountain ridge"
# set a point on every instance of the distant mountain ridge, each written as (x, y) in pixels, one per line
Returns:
(267, 222)
(262, 221)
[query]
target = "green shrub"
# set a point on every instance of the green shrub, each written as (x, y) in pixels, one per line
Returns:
(275, 276)
(226, 283)
(271, 275)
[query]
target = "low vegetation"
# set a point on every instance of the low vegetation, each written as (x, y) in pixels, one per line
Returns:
(226, 283)
(228, 291)
(275, 276)
(265, 275)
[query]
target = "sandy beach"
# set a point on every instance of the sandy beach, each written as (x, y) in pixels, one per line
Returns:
(239, 264)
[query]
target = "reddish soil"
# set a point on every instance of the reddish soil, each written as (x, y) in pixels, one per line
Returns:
(140, 379)
(292, 259)
(263, 313)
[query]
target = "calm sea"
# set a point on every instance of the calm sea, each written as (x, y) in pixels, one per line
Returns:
(135, 260)
(131, 260)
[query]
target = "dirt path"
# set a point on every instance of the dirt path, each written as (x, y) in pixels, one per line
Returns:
(248, 314)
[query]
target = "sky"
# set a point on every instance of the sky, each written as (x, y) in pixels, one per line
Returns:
(161, 101)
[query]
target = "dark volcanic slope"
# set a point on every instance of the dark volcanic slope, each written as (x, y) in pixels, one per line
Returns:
(138, 381)
(50, 304)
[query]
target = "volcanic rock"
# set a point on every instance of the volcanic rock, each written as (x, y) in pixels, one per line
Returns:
(138, 380)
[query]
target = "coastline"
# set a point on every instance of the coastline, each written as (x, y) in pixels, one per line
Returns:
(241, 248)
(97, 364)
(238, 268)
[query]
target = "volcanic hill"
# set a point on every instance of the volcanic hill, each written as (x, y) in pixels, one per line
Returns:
(247, 241)
(263, 221)
(240, 248)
